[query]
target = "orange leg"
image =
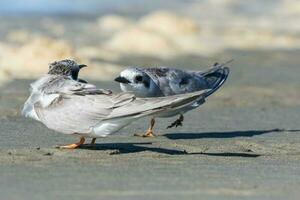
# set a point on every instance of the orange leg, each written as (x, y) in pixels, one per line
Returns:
(149, 132)
(93, 140)
(73, 146)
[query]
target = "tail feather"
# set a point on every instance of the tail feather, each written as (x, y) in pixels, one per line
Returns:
(216, 77)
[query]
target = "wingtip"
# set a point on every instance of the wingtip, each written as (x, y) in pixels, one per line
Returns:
(224, 71)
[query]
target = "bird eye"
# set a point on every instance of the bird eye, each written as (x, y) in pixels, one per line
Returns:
(138, 78)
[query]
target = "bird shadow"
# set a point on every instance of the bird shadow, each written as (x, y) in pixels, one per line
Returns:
(126, 148)
(230, 154)
(223, 134)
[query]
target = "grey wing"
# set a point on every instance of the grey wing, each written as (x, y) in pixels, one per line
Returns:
(73, 113)
(159, 76)
(184, 82)
(174, 81)
(140, 107)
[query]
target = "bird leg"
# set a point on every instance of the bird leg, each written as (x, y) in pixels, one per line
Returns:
(177, 122)
(93, 141)
(73, 146)
(149, 132)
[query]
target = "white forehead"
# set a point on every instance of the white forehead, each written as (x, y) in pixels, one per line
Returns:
(131, 72)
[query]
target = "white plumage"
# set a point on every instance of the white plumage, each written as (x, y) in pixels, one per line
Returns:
(72, 107)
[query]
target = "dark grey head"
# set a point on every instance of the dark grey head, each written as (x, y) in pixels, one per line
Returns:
(65, 67)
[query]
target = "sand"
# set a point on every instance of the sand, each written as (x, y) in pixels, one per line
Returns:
(244, 143)
(225, 150)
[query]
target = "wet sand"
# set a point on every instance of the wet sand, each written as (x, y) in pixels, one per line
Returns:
(241, 146)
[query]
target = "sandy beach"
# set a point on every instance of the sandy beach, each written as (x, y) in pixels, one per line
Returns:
(243, 143)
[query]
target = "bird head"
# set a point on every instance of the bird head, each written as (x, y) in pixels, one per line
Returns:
(136, 81)
(65, 67)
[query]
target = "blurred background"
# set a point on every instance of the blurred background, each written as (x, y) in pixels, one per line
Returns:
(263, 38)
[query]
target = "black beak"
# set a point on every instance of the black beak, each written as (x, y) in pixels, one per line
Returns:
(82, 66)
(121, 79)
(82, 81)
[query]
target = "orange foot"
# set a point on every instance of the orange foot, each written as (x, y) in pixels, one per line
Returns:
(73, 146)
(149, 133)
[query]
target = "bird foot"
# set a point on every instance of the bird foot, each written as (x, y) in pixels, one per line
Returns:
(149, 133)
(69, 146)
(176, 123)
(72, 146)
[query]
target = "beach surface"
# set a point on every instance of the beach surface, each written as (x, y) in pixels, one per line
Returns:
(243, 143)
